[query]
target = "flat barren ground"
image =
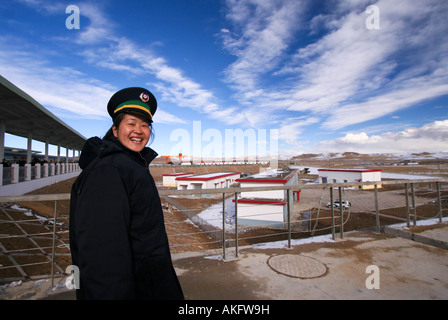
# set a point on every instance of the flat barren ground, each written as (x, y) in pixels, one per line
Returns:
(26, 228)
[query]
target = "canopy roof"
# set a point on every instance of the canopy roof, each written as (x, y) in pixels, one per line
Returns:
(22, 114)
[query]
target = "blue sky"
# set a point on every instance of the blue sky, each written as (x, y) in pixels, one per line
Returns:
(325, 76)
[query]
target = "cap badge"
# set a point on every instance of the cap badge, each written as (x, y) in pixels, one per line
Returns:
(144, 97)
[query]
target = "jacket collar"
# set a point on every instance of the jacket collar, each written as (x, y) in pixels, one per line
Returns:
(144, 157)
(96, 147)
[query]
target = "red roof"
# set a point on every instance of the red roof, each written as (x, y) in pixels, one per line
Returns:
(282, 203)
(350, 170)
(207, 177)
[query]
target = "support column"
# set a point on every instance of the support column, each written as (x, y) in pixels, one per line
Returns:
(46, 149)
(2, 139)
(28, 151)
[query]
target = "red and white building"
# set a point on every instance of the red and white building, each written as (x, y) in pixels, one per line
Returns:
(350, 175)
(207, 181)
(169, 179)
(266, 208)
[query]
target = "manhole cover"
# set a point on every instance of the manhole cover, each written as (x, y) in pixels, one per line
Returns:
(297, 266)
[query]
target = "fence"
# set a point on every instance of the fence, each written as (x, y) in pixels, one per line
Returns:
(16, 173)
(46, 239)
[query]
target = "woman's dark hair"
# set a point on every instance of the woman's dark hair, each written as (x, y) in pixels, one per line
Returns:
(116, 123)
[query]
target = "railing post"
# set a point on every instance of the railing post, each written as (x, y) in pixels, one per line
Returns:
(332, 214)
(440, 201)
(46, 167)
(27, 167)
(15, 174)
(413, 204)
(408, 220)
(223, 226)
(37, 171)
(341, 212)
(54, 242)
(236, 224)
(377, 212)
(288, 198)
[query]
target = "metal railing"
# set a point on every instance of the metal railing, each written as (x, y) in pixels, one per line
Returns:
(229, 233)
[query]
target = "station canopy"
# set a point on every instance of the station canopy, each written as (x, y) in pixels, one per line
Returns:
(22, 115)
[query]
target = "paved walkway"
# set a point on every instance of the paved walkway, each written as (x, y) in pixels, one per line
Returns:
(362, 265)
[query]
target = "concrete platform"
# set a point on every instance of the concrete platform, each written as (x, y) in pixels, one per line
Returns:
(363, 265)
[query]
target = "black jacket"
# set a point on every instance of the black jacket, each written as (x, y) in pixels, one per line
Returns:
(117, 233)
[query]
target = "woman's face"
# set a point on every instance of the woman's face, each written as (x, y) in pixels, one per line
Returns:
(132, 132)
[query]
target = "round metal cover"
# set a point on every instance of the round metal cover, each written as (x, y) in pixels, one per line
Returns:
(297, 266)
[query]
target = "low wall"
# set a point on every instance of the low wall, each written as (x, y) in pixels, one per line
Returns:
(21, 188)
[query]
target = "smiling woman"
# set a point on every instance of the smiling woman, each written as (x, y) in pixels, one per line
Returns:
(117, 232)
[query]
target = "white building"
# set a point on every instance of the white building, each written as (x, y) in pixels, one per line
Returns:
(207, 181)
(349, 175)
(169, 179)
(265, 208)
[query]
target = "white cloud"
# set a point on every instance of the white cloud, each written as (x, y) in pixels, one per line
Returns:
(45, 7)
(349, 74)
(98, 31)
(432, 137)
(71, 91)
(122, 54)
(291, 129)
(65, 89)
(385, 104)
(264, 30)
(402, 62)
